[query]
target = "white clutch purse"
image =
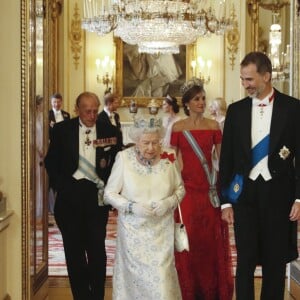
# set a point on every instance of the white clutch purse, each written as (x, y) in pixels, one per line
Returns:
(181, 237)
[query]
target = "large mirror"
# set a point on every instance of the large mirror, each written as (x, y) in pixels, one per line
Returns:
(270, 33)
(39, 55)
(37, 145)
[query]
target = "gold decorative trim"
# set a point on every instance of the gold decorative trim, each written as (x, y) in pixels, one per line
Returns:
(25, 35)
(233, 38)
(142, 102)
(253, 10)
(274, 6)
(56, 8)
(76, 36)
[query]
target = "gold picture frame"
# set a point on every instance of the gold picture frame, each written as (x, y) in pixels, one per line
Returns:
(138, 89)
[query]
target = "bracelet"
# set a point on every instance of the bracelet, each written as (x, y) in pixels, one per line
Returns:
(130, 204)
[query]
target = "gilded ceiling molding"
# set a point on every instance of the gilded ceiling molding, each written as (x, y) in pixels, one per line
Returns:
(56, 8)
(233, 38)
(76, 36)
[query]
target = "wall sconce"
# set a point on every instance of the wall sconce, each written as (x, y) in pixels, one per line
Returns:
(201, 69)
(153, 107)
(105, 72)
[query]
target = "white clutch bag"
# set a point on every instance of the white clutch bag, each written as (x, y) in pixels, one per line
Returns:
(181, 237)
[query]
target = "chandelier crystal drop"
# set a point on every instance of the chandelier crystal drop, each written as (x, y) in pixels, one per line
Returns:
(157, 25)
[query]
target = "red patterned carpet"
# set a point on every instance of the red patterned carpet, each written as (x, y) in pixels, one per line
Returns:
(56, 259)
(57, 265)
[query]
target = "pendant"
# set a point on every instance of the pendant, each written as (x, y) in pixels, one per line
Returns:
(87, 140)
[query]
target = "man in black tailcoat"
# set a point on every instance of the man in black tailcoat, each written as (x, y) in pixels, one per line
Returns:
(109, 116)
(78, 162)
(260, 179)
(56, 113)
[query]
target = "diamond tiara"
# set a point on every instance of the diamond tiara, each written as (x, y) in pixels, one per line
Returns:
(194, 81)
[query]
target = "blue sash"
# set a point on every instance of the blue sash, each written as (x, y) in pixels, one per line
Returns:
(260, 150)
(234, 190)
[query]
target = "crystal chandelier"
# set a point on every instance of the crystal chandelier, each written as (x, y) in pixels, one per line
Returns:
(157, 25)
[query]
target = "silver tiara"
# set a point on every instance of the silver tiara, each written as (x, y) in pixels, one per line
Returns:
(194, 81)
(147, 123)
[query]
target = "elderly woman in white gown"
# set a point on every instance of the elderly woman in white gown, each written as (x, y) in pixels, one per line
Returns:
(145, 187)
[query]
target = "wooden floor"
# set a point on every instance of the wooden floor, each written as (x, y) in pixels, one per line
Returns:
(59, 290)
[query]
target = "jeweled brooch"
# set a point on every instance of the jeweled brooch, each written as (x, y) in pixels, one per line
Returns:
(284, 152)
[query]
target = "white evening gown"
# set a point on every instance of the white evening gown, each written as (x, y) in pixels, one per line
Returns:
(144, 265)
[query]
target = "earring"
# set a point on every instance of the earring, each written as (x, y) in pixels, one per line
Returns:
(187, 107)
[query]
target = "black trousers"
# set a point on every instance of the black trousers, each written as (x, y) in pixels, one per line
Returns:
(261, 233)
(83, 227)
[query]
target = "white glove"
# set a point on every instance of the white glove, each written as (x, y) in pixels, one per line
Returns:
(141, 210)
(164, 205)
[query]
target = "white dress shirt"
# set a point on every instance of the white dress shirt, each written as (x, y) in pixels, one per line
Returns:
(58, 115)
(111, 116)
(261, 124)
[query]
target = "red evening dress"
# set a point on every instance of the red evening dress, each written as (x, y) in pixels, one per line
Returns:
(205, 272)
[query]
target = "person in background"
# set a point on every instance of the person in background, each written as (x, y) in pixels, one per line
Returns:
(109, 116)
(78, 162)
(260, 179)
(171, 109)
(217, 109)
(56, 113)
(144, 266)
(205, 271)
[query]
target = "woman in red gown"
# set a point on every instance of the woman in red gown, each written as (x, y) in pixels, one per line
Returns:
(205, 272)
